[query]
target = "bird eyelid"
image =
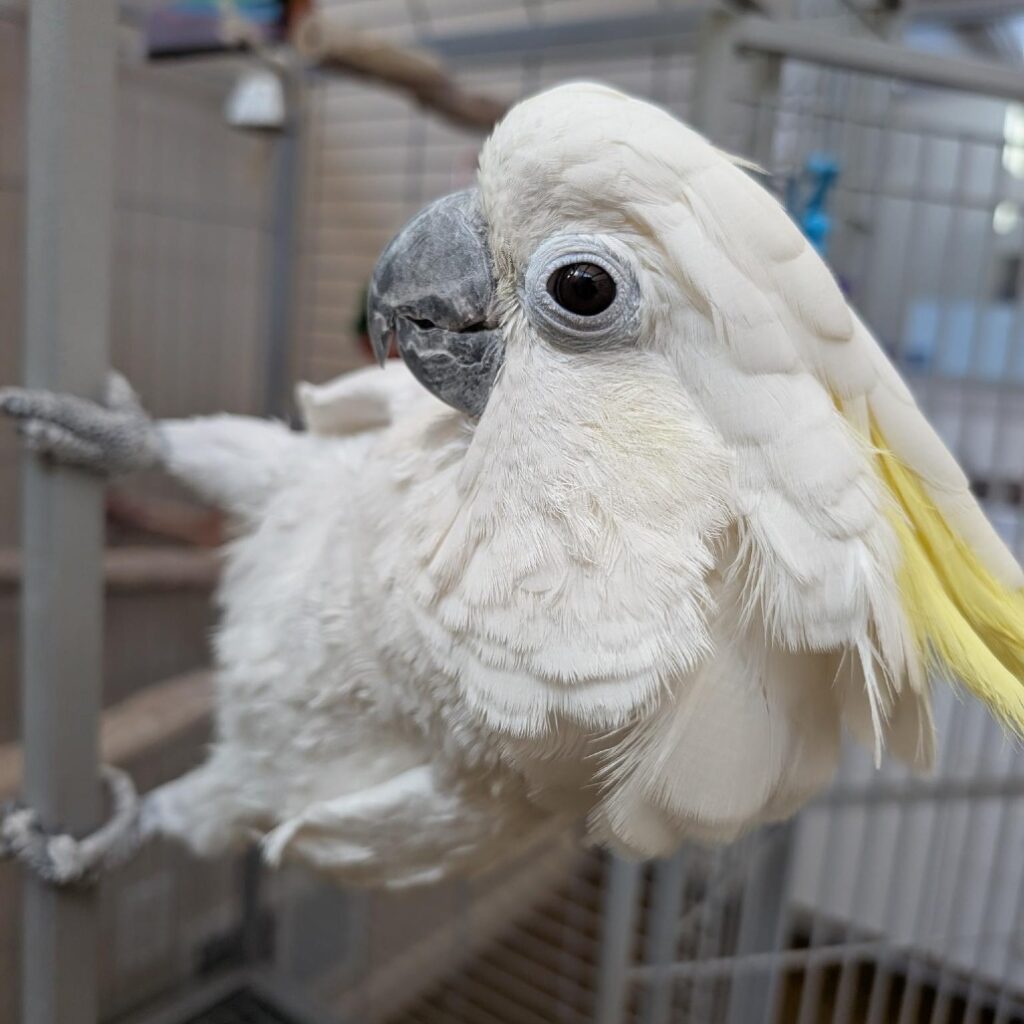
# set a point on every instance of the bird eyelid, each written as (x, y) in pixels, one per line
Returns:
(617, 325)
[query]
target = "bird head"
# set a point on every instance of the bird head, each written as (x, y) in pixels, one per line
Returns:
(544, 260)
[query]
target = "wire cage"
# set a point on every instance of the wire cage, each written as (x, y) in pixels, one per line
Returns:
(241, 257)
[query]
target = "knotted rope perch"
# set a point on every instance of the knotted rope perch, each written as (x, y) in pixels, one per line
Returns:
(61, 859)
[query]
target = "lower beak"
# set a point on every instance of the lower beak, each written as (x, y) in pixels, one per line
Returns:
(431, 294)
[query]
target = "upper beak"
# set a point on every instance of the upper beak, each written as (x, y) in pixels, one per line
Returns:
(431, 293)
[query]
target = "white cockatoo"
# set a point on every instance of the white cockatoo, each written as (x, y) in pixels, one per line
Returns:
(651, 518)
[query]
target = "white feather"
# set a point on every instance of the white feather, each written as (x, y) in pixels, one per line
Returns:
(648, 586)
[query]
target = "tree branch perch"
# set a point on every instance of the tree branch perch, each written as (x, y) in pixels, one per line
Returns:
(326, 42)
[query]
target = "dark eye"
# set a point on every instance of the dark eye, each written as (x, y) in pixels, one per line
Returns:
(582, 288)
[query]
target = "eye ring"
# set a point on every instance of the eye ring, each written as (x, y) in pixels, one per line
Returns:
(595, 324)
(585, 289)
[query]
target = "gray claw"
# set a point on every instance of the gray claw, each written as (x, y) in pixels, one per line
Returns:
(51, 441)
(121, 396)
(111, 439)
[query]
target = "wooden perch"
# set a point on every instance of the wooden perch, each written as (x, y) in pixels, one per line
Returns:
(138, 568)
(167, 518)
(139, 725)
(326, 41)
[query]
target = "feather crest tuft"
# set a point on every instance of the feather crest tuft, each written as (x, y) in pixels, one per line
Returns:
(964, 620)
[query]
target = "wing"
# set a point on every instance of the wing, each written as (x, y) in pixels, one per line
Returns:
(746, 738)
(860, 560)
(858, 527)
(365, 399)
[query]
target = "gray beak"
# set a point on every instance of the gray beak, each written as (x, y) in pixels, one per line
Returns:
(431, 293)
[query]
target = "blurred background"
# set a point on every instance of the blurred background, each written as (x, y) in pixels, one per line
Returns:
(265, 153)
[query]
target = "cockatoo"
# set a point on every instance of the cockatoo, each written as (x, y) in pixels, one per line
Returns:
(648, 521)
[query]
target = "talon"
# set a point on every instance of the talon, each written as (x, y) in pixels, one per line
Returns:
(120, 395)
(33, 432)
(76, 431)
(13, 402)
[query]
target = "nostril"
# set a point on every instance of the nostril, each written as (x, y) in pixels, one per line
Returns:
(428, 325)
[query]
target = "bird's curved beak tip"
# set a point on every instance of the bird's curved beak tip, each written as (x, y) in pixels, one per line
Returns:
(382, 335)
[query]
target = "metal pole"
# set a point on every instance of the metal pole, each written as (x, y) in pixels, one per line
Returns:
(873, 57)
(285, 231)
(69, 212)
(762, 917)
(619, 34)
(661, 936)
(722, 75)
(714, 85)
(956, 12)
(618, 924)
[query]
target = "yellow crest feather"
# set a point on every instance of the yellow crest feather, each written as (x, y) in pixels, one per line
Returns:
(964, 620)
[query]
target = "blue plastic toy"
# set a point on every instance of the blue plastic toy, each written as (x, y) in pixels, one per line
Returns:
(807, 197)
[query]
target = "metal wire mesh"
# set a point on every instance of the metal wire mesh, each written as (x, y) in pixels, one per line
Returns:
(891, 899)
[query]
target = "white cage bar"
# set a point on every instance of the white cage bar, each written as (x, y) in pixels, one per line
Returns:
(67, 328)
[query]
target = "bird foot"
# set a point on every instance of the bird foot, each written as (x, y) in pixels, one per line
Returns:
(111, 438)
